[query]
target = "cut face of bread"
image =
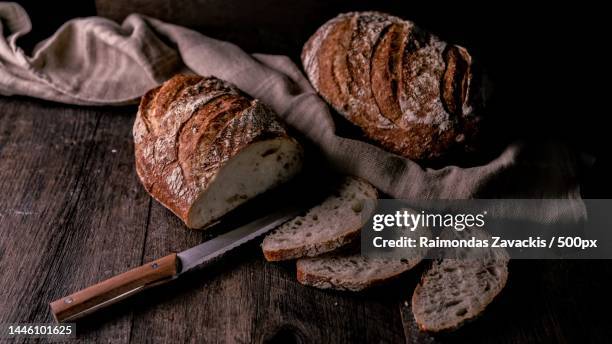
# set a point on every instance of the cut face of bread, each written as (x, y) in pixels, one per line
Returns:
(203, 147)
(351, 272)
(332, 224)
(255, 169)
(453, 291)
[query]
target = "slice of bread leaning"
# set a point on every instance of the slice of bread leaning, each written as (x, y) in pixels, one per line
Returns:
(326, 227)
(458, 289)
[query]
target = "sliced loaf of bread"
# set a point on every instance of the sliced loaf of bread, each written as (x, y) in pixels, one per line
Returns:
(326, 227)
(203, 147)
(454, 291)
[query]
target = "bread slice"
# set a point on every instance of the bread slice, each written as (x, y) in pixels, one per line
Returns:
(332, 224)
(352, 272)
(454, 291)
(203, 147)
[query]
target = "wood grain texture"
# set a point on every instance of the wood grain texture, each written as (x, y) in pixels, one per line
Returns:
(72, 210)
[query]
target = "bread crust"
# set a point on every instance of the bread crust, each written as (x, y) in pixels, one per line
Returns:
(187, 129)
(309, 277)
(409, 91)
(314, 249)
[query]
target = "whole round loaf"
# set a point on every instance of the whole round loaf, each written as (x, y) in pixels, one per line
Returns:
(203, 147)
(409, 91)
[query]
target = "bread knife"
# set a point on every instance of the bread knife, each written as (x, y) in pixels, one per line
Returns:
(162, 270)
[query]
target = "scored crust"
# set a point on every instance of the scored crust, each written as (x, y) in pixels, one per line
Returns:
(188, 129)
(331, 62)
(405, 88)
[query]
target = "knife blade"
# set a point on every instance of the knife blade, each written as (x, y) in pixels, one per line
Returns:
(216, 247)
(165, 269)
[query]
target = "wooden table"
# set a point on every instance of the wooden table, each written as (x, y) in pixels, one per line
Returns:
(72, 212)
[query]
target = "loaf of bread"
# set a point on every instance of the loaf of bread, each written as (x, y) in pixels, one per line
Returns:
(334, 223)
(203, 147)
(409, 91)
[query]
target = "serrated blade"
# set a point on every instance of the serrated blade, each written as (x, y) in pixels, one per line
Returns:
(223, 243)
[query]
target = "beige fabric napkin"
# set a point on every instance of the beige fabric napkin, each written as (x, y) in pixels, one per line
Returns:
(94, 61)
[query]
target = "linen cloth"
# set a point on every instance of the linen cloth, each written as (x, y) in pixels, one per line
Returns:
(95, 61)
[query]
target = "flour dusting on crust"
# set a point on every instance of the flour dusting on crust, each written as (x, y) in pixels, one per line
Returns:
(189, 128)
(425, 128)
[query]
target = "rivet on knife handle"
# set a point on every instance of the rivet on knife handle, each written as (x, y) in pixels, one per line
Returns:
(114, 289)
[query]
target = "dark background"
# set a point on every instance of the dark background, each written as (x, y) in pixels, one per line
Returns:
(549, 65)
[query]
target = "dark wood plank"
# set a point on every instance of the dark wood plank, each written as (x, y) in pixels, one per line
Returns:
(41, 154)
(72, 211)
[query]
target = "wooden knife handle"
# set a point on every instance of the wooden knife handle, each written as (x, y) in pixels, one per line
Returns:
(114, 289)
